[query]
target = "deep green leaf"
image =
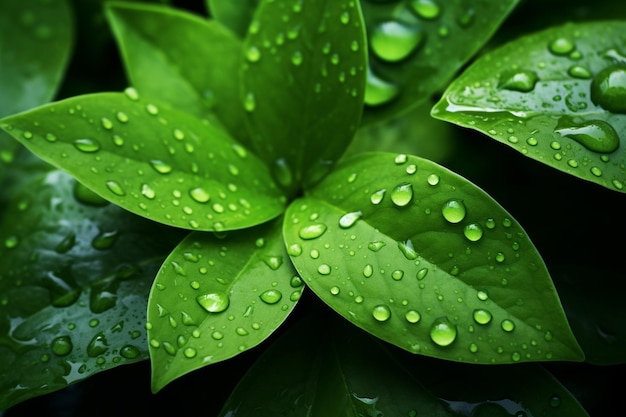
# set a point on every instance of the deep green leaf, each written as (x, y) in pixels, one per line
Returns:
(420, 257)
(556, 96)
(181, 59)
(417, 46)
(36, 40)
(75, 273)
(337, 376)
(595, 313)
(303, 79)
(215, 298)
(152, 160)
(235, 15)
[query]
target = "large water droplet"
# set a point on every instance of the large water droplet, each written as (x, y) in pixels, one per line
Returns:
(97, 346)
(473, 232)
(312, 231)
(87, 145)
(379, 91)
(62, 345)
(608, 89)
(271, 296)
(402, 194)
(595, 135)
(394, 41)
(381, 313)
(482, 316)
(522, 81)
(443, 332)
(349, 219)
(200, 195)
(412, 316)
(215, 302)
(426, 9)
(454, 210)
(561, 46)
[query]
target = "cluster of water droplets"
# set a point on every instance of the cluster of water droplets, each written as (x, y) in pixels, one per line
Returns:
(397, 40)
(209, 313)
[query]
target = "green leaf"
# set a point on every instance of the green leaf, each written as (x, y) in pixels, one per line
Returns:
(303, 79)
(555, 96)
(235, 15)
(423, 259)
(181, 59)
(215, 298)
(36, 40)
(417, 46)
(75, 273)
(336, 376)
(152, 160)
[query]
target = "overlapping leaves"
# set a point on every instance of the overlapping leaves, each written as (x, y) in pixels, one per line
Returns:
(556, 96)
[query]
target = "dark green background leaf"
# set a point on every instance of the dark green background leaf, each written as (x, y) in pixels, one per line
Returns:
(302, 85)
(417, 46)
(337, 376)
(152, 160)
(235, 15)
(216, 298)
(555, 96)
(181, 59)
(75, 273)
(423, 259)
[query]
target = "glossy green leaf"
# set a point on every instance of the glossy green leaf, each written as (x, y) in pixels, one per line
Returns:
(555, 96)
(235, 15)
(215, 298)
(337, 376)
(423, 259)
(75, 273)
(181, 59)
(416, 46)
(152, 160)
(36, 39)
(302, 85)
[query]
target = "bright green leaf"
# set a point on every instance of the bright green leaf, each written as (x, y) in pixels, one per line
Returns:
(36, 40)
(235, 15)
(215, 298)
(423, 259)
(303, 77)
(417, 46)
(75, 273)
(152, 160)
(182, 59)
(555, 96)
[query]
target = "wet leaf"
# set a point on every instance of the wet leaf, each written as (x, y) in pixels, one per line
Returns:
(302, 85)
(417, 46)
(152, 160)
(75, 273)
(555, 96)
(181, 59)
(337, 377)
(216, 298)
(423, 259)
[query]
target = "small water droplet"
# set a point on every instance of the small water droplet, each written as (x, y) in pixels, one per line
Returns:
(131, 93)
(561, 46)
(66, 244)
(578, 71)
(595, 135)
(122, 117)
(297, 58)
(106, 123)
(433, 179)
(160, 166)
(274, 262)
(402, 194)
(377, 196)
(421, 274)
(397, 275)
(324, 269)
(454, 210)
(412, 316)
(87, 145)
(349, 219)
(368, 270)
(522, 81)
(381, 313)
(97, 346)
(129, 352)
(335, 290)
(271, 296)
(482, 316)
(115, 188)
(200, 195)
(105, 240)
(215, 302)
(507, 325)
(312, 231)
(555, 401)
(376, 246)
(253, 54)
(394, 41)
(443, 332)
(249, 102)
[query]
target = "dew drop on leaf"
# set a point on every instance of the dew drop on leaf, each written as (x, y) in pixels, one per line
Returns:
(608, 89)
(381, 313)
(507, 325)
(426, 9)
(412, 316)
(379, 91)
(482, 316)
(115, 188)
(215, 302)
(62, 345)
(394, 41)
(97, 346)
(312, 231)
(443, 332)
(271, 296)
(454, 210)
(349, 219)
(129, 352)
(522, 81)
(473, 232)
(561, 46)
(377, 196)
(595, 135)
(160, 166)
(402, 194)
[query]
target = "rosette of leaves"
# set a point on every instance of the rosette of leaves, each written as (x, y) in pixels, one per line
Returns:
(238, 142)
